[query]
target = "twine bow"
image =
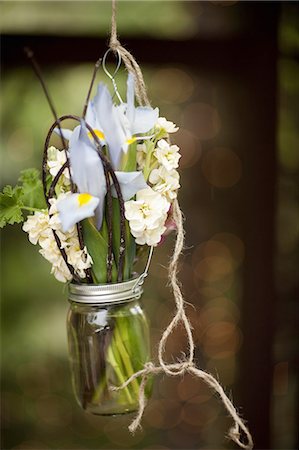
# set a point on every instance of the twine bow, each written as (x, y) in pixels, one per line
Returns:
(187, 365)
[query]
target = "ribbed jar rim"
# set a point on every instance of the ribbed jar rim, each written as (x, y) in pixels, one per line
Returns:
(106, 293)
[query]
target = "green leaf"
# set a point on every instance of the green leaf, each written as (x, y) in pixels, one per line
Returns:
(128, 163)
(10, 206)
(130, 241)
(97, 247)
(33, 195)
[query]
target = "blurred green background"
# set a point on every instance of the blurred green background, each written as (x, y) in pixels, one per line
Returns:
(206, 66)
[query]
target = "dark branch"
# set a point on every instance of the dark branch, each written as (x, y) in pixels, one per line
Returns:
(96, 68)
(109, 170)
(38, 73)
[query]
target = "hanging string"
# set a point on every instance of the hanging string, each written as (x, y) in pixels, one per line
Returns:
(129, 61)
(187, 365)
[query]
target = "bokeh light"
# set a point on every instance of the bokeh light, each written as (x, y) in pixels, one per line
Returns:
(221, 339)
(201, 119)
(213, 268)
(234, 244)
(199, 413)
(190, 148)
(172, 85)
(163, 414)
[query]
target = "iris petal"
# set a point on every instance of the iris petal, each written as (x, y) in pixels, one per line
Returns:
(87, 168)
(91, 117)
(144, 120)
(130, 98)
(65, 132)
(110, 123)
(130, 183)
(71, 210)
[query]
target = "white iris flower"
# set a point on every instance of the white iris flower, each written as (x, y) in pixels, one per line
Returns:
(135, 120)
(117, 126)
(121, 124)
(87, 168)
(88, 174)
(76, 207)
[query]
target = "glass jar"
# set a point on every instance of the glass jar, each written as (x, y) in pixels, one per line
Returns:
(108, 337)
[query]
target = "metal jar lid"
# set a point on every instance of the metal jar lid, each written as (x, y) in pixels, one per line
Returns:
(106, 293)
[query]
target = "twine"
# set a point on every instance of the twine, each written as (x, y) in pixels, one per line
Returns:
(129, 61)
(187, 365)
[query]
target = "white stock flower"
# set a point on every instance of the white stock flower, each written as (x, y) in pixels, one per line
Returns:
(167, 155)
(61, 272)
(50, 251)
(165, 182)
(147, 215)
(80, 259)
(40, 228)
(56, 159)
(166, 126)
(37, 226)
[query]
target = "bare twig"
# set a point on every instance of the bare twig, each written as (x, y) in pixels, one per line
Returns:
(39, 75)
(96, 68)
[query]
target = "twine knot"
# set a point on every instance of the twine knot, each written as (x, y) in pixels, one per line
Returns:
(186, 365)
(179, 368)
(114, 43)
(149, 367)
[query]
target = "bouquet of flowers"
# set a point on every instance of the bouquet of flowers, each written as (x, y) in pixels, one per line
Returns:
(102, 198)
(135, 140)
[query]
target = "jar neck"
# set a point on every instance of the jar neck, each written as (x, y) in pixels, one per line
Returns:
(105, 294)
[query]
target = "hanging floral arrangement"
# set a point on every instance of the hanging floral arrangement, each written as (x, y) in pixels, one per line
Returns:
(106, 195)
(136, 142)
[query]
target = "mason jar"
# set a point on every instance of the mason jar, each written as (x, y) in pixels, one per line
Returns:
(108, 338)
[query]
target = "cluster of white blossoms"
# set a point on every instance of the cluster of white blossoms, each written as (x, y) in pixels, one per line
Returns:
(56, 160)
(39, 227)
(165, 182)
(147, 215)
(167, 155)
(166, 126)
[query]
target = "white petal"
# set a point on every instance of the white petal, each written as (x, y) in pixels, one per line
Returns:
(130, 184)
(130, 113)
(71, 211)
(145, 119)
(110, 124)
(65, 132)
(88, 172)
(91, 115)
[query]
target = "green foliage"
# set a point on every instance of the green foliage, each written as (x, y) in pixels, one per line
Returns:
(97, 246)
(11, 206)
(33, 195)
(27, 195)
(128, 163)
(130, 252)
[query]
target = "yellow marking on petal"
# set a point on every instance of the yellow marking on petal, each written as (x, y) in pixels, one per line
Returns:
(131, 140)
(83, 199)
(98, 133)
